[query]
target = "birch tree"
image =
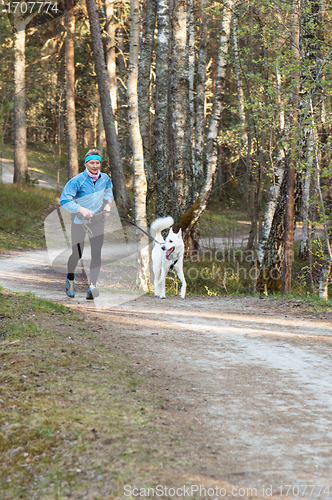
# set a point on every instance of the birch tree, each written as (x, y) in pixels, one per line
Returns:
(113, 150)
(189, 218)
(290, 206)
(110, 44)
(180, 131)
(144, 88)
(278, 169)
(191, 99)
(200, 101)
(164, 203)
(70, 92)
(140, 184)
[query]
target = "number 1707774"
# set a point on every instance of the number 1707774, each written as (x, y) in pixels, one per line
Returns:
(30, 7)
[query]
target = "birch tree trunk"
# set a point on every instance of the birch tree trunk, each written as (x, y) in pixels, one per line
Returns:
(327, 263)
(277, 177)
(304, 247)
(271, 204)
(200, 102)
(189, 218)
(144, 88)
(164, 204)
(191, 100)
(324, 279)
(110, 55)
(70, 92)
(179, 110)
(290, 213)
(240, 93)
(113, 150)
(140, 184)
(311, 48)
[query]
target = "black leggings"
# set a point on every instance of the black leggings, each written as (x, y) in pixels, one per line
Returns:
(96, 243)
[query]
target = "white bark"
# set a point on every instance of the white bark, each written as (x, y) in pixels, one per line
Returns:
(327, 264)
(140, 184)
(110, 55)
(280, 103)
(191, 77)
(145, 88)
(240, 93)
(73, 168)
(20, 135)
(324, 280)
(211, 147)
(271, 204)
(164, 203)
(306, 193)
(200, 102)
(179, 109)
(278, 174)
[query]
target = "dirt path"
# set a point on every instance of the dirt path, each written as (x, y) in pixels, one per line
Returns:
(247, 382)
(7, 174)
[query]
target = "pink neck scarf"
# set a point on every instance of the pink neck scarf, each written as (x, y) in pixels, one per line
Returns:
(93, 177)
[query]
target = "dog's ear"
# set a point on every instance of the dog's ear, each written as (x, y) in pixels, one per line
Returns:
(180, 232)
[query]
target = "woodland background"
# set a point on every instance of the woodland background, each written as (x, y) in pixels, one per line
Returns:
(190, 102)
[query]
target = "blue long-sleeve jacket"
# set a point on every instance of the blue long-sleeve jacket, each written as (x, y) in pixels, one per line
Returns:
(81, 191)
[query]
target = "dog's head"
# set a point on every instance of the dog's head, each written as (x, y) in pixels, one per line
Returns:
(173, 244)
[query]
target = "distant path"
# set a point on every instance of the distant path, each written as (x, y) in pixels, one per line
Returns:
(44, 180)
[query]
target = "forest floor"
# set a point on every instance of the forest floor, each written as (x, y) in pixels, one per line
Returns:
(243, 387)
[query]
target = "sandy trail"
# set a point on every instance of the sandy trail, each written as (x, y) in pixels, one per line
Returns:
(7, 174)
(250, 378)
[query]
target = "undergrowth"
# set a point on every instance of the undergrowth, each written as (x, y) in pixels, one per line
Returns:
(23, 210)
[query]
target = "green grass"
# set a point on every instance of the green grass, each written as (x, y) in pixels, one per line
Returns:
(23, 210)
(212, 225)
(74, 419)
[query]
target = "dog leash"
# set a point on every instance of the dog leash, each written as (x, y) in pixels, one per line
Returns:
(147, 234)
(100, 215)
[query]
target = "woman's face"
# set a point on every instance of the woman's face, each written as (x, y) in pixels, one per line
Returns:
(93, 166)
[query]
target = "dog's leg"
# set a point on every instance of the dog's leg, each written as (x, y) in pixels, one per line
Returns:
(157, 282)
(156, 264)
(179, 271)
(162, 282)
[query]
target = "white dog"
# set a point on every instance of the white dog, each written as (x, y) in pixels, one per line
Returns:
(166, 255)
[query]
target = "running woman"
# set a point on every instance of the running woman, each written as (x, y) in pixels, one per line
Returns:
(84, 195)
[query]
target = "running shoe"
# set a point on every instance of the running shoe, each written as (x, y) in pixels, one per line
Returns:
(92, 292)
(70, 288)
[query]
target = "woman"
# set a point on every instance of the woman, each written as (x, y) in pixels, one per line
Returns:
(85, 195)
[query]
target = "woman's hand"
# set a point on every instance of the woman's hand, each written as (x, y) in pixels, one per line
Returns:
(85, 212)
(107, 209)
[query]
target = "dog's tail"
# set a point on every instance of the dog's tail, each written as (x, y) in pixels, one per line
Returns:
(158, 225)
